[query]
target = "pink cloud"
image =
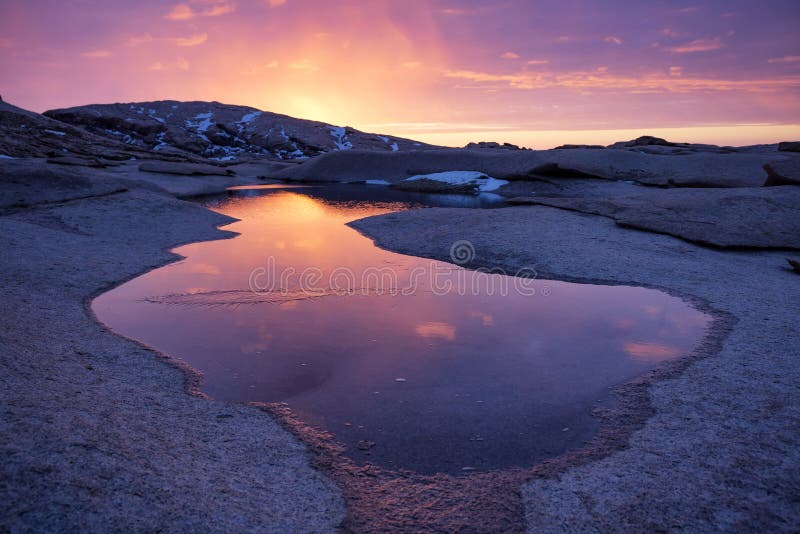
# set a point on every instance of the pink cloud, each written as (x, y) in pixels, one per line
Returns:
(698, 45)
(97, 54)
(185, 11)
(784, 59)
(194, 40)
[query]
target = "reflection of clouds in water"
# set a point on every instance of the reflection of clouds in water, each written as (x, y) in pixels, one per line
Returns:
(625, 324)
(251, 348)
(204, 268)
(485, 318)
(650, 352)
(307, 244)
(652, 310)
(263, 342)
(436, 330)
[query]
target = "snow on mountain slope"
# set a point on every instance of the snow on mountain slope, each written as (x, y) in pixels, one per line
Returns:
(24, 133)
(222, 132)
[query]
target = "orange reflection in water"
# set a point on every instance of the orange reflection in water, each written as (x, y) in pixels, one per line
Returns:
(651, 352)
(475, 363)
(438, 330)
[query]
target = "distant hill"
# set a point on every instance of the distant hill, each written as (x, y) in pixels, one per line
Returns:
(221, 132)
(24, 133)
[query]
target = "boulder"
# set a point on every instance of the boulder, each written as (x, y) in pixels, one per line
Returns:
(783, 172)
(573, 147)
(494, 146)
(789, 146)
(645, 140)
(740, 218)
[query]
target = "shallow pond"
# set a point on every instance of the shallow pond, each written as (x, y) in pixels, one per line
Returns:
(411, 363)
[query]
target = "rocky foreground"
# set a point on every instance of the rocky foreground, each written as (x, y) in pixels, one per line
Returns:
(99, 433)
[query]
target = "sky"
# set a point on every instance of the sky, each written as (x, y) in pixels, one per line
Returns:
(535, 73)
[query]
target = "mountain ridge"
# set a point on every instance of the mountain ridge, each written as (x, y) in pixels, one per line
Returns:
(222, 132)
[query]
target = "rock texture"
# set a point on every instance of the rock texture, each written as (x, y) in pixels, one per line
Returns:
(98, 433)
(745, 217)
(27, 134)
(784, 172)
(25, 183)
(789, 146)
(186, 169)
(697, 169)
(221, 132)
(492, 145)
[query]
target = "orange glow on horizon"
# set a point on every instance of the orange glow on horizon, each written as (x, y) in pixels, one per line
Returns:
(534, 75)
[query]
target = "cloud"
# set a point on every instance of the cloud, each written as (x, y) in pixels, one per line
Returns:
(457, 11)
(218, 10)
(509, 55)
(180, 12)
(537, 62)
(676, 71)
(613, 39)
(137, 40)
(194, 40)
(181, 64)
(303, 64)
(411, 64)
(669, 32)
(97, 54)
(276, 3)
(784, 59)
(185, 11)
(603, 80)
(698, 45)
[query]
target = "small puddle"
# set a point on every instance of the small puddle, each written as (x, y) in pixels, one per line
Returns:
(412, 363)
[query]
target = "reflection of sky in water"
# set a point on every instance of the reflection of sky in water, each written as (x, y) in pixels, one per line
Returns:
(489, 380)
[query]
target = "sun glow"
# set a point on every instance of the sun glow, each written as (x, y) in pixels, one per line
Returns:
(552, 80)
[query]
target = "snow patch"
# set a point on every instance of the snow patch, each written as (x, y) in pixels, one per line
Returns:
(339, 133)
(377, 182)
(3, 156)
(201, 122)
(479, 179)
(56, 132)
(250, 117)
(160, 143)
(394, 147)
